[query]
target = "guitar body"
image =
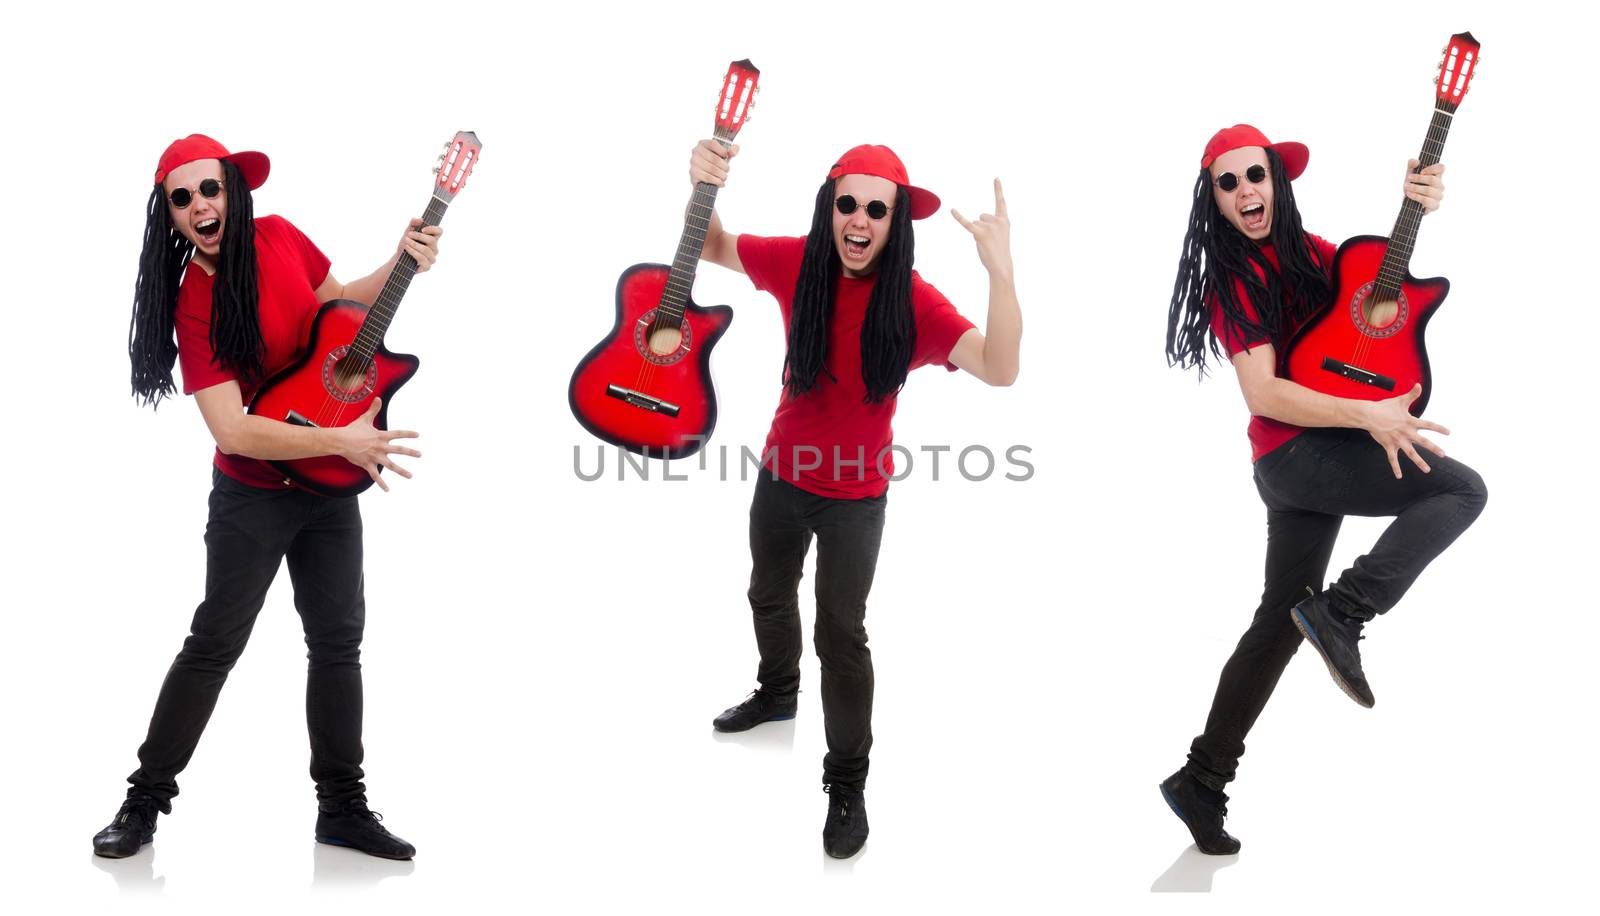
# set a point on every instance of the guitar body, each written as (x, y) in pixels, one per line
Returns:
(328, 390)
(1359, 347)
(651, 391)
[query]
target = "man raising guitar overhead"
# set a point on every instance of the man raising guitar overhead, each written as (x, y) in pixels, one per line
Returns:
(232, 298)
(858, 320)
(1249, 279)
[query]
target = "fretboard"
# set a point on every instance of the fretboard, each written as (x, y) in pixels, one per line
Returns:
(696, 223)
(382, 310)
(1397, 260)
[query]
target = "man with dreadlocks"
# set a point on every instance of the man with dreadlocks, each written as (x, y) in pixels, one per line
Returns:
(1249, 276)
(858, 319)
(232, 297)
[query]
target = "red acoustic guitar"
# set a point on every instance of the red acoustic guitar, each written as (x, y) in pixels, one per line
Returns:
(647, 386)
(1367, 343)
(346, 364)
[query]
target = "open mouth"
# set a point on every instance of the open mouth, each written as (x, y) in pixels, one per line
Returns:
(855, 246)
(209, 230)
(1254, 216)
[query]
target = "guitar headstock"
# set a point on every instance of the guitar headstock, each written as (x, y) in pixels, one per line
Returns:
(456, 163)
(1456, 68)
(738, 96)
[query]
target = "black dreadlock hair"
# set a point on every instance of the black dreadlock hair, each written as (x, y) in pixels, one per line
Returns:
(889, 331)
(235, 330)
(1215, 254)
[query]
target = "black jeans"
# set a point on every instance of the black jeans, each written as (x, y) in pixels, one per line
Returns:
(249, 533)
(1309, 484)
(783, 518)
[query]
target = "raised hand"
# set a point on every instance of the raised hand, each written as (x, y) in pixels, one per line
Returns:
(367, 447)
(1426, 187)
(1391, 424)
(992, 232)
(708, 162)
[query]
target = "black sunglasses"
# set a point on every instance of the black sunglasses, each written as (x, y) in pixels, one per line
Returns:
(182, 197)
(876, 209)
(1227, 181)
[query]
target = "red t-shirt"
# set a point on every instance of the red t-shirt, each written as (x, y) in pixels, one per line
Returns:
(830, 441)
(289, 269)
(1265, 433)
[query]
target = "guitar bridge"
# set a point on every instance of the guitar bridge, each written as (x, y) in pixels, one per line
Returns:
(1357, 374)
(642, 401)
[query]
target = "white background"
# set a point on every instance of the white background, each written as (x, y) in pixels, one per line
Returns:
(544, 655)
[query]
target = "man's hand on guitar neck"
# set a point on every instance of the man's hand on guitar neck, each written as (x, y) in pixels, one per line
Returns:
(1426, 187)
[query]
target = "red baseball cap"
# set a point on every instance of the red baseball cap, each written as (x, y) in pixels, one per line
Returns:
(881, 161)
(253, 166)
(1294, 155)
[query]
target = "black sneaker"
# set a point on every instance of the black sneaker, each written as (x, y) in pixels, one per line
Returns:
(1201, 809)
(845, 831)
(356, 826)
(757, 708)
(134, 826)
(1334, 636)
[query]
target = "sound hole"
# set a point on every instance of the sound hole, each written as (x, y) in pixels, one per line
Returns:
(1378, 317)
(349, 377)
(664, 341)
(1381, 314)
(664, 344)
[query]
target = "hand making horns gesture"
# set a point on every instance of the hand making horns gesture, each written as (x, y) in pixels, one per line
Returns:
(992, 232)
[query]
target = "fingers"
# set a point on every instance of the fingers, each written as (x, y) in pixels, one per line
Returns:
(396, 468)
(1431, 446)
(708, 163)
(999, 200)
(1429, 425)
(1424, 185)
(372, 471)
(392, 434)
(372, 409)
(965, 224)
(1416, 459)
(1413, 394)
(1394, 460)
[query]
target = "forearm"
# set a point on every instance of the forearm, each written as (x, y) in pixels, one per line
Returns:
(272, 440)
(366, 289)
(1288, 402)
(1002, 332)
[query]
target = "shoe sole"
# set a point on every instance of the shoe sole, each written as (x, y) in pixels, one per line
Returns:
(330, 841)
(1167, 797)
(124, 855)
(850, 855)
(1304, 626)
(735, 731)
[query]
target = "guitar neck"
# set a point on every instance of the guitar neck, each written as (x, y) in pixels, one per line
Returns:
(382, 310)
(696, 223)
(1397, 260)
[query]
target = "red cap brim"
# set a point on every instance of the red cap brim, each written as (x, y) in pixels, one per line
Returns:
(253, 166)
(1294, 156)
(923, 203)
